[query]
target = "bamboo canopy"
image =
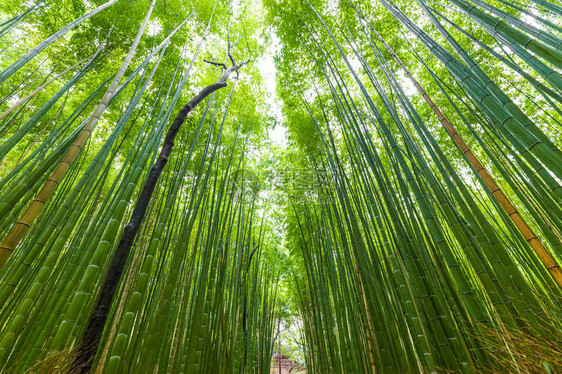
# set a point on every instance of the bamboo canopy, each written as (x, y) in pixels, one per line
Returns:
(355, 186)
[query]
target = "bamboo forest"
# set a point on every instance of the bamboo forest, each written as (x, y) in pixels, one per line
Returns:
(281, 186)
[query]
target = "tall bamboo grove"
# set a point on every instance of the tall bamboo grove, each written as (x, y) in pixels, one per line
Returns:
(410, 221)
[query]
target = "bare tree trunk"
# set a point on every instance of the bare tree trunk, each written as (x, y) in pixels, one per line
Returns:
(91, 338)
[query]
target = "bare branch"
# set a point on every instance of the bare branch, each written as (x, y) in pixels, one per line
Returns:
(235, 67)
(244, 63)
(231, 58)
(216, 64)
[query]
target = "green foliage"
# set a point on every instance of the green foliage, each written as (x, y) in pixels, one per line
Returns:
(367, 232)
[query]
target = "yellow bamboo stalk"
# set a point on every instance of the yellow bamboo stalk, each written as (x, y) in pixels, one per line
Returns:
(531, 238)
(26, 220)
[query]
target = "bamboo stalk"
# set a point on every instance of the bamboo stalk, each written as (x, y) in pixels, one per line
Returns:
(44, 44)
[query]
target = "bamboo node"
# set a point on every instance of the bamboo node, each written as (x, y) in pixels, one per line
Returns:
(528, 41)
(507, 119)
(534, 144)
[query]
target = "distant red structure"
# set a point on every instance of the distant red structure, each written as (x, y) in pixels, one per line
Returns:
(287, 365)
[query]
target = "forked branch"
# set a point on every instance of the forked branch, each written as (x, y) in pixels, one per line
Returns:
(229, 70)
